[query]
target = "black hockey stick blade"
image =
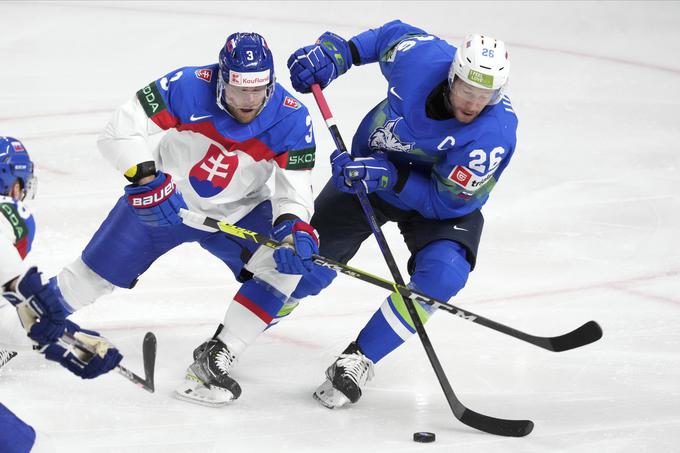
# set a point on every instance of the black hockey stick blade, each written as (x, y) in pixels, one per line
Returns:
(586, 334)
(149, 358)
(497, 426)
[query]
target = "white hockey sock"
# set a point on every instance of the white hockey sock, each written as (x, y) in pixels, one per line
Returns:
(241, 328)
(12, 334)
(81, 286)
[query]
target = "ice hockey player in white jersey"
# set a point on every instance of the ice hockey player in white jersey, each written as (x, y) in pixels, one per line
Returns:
(428, 154)
(41, 319)
(225, 128)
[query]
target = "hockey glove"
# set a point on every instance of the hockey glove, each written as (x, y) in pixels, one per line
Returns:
(312, 283)
(375, 172)
(156, 203)
(300, 242)
(87, 365)
(40, 306)
(321, 63)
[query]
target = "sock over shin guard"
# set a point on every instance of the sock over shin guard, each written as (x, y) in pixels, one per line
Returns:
(254, 306)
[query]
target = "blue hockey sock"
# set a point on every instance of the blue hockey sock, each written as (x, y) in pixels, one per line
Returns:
(388, 328)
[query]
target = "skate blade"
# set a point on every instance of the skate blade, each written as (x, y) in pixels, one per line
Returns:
(192, 391)
(331, 398)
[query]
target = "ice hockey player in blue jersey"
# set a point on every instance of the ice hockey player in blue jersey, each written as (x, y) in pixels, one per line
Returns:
(41, 319)
(224, 129)
(428, 155)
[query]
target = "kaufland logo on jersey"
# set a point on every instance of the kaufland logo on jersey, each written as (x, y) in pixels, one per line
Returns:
(18, 146)
(249, 79)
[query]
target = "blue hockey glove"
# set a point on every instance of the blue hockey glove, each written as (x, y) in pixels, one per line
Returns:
(40, 306)
(338, 162)
(321, 63)
(87, 365)
(156, 203)
(312, 283)
(375, 172)
(300, 243)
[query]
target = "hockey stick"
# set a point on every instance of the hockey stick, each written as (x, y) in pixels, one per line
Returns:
(586, 334)
(148, 355)
(501, 427)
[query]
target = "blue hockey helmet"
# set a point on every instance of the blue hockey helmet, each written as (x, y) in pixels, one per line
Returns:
(16, 165)
(245, 61)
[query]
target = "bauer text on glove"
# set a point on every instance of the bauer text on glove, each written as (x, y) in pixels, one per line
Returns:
(156, 203)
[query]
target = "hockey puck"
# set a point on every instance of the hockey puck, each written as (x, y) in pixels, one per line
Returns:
(423, 437)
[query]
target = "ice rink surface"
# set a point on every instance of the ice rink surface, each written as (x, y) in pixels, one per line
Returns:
(584, 224)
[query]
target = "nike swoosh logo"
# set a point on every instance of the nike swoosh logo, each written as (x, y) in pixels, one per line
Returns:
(456, 227)
(394, 92)
(196, 118)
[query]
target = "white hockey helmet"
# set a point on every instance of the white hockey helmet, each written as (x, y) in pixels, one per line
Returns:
(481, 61)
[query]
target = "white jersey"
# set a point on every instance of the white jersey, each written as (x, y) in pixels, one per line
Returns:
(220, 166)
(17, 229)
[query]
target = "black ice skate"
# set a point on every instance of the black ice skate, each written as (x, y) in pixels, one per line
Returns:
(207, 380)
(345, 377)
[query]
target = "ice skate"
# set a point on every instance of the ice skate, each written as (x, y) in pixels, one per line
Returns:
(207, 381)
(6, 356)
(344, 378)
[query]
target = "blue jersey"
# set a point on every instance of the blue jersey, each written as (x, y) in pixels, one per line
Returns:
(188, 103)
(452, 166)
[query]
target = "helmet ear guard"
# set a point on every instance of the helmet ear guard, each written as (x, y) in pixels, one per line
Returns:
(481, 61)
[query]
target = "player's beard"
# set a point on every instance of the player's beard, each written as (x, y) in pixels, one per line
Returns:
(244, 116)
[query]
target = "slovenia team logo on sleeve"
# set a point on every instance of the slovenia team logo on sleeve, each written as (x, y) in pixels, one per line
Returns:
(212, 174)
